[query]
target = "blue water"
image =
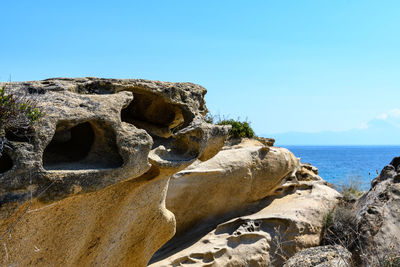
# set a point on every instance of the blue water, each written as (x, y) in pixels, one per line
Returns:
(339, 164)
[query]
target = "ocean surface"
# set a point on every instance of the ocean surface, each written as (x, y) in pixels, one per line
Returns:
(339, 164)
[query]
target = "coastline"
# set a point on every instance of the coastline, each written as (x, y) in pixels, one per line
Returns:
(339, 164)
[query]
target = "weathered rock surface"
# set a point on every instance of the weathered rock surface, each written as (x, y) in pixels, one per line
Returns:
(377, 214)
(254, 205)
(89, 188)
(323, 256)
(227, 182)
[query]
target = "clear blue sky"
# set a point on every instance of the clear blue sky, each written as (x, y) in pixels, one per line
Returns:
(304, 66)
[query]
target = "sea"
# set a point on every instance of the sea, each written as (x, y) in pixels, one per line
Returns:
(341, 165)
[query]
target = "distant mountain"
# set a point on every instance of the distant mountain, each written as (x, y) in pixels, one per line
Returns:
(377, 132)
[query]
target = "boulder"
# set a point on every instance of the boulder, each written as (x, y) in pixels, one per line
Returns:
(322, 256)
(250, 205)
(377, 215)
(87, 187)
(206, 191)
(369, 225)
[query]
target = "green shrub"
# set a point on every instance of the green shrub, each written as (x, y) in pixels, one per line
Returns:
(239, 128)
(16, 111)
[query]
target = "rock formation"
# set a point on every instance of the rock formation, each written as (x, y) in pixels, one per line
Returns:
(368, 226)
(88, 186)
(377, 215)
(250, 205)
(323, 256)
(229, 181)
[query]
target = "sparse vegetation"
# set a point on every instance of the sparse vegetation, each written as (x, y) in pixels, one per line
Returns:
(341, 228)
(351, 190)
(209, 118)
(17, 115)
(239, 129)
(328, 219)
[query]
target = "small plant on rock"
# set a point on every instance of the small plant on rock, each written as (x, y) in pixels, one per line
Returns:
(239, 128)
(340, 227)
(351, 190)
(209, 118)
(17, 115)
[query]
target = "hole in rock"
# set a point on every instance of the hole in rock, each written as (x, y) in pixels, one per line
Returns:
(17, 135)
(33, 90)
(96, 87)
(82, 146)
(154, 114)
(6, 163)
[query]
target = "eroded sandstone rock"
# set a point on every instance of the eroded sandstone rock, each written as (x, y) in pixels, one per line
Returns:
(89, 187)
(250, 205)
(227, 182)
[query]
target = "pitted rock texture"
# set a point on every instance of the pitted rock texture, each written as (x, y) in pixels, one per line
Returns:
(323, 256)
(377, 215)
(262, 204)
(235, 177)
(89, 188)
